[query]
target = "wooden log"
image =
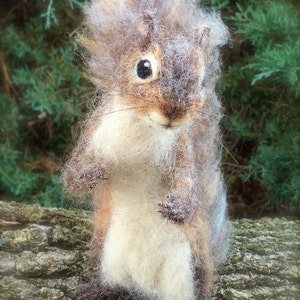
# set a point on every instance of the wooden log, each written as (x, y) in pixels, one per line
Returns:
(44, 254)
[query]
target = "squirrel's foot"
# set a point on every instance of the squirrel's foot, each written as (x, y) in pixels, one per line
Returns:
(93, 175)
(174, 209)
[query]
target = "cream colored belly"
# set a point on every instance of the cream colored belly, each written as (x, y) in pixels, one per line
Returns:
(145, 252)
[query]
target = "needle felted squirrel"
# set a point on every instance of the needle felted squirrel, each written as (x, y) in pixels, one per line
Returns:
(149, 152)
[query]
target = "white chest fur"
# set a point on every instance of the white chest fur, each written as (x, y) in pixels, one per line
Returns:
(141, 250)
(127, 139)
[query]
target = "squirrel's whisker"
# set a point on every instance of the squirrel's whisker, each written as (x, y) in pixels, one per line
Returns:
(115, 111)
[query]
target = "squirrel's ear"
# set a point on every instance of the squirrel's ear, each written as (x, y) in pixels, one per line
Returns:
(213, 27)
(147, 28)
(203, 37)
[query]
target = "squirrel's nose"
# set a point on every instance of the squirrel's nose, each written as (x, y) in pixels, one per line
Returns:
(173, 109)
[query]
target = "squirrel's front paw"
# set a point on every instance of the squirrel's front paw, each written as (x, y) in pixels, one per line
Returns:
(174, 209)
(93, 175)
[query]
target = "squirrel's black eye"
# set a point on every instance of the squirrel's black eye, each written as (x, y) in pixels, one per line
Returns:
(143, 69)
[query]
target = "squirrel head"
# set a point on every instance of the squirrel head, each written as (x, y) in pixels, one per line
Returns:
(159, 56)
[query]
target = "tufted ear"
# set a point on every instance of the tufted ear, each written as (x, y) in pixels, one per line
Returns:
(218, 32)
(203, 37)
(147, 28)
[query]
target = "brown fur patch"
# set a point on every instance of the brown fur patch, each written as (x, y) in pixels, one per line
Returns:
(197, 232)
(102, 216)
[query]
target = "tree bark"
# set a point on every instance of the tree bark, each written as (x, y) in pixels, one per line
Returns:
(44, 254)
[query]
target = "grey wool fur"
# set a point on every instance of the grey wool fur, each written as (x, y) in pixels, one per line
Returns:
(149, 153)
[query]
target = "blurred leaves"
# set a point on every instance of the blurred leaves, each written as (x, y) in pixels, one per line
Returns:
(42, 97)
(261, 89)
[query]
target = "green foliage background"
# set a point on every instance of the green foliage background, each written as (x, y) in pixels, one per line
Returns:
(43, 94)
(261, 90)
